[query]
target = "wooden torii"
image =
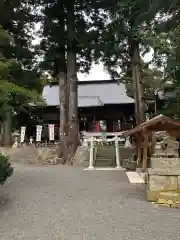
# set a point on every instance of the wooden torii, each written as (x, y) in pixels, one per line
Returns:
(143, 135)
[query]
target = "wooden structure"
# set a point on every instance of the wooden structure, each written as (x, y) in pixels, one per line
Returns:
(103, 102)
(143, 135)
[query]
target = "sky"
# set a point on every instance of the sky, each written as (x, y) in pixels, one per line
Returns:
(97, 71)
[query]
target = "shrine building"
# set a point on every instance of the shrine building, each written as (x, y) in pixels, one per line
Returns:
(103, 102)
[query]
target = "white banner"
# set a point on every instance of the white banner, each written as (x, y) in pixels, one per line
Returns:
(38, 133)
(51, 132)
(23, 131)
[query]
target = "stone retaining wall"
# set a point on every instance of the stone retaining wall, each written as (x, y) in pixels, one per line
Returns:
(32, 154)
(82, 156)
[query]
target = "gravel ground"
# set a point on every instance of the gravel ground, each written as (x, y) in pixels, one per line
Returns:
(58, 203)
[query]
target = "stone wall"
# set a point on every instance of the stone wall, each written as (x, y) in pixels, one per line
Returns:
(82, 156)
(32, 154)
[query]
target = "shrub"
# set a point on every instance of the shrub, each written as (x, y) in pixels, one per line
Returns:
(5, 168)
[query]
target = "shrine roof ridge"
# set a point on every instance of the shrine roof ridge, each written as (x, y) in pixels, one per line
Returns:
(92, 94)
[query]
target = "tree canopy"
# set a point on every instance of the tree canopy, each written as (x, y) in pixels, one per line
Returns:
(19, 77)
(76, 33)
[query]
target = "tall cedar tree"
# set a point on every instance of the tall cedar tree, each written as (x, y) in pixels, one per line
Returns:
(20, 84)
(168, 53)
(71, 30)
(123, 40)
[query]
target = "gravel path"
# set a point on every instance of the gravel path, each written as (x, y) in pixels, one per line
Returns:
(58, 203)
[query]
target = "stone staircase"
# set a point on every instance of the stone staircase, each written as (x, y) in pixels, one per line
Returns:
(105, 156)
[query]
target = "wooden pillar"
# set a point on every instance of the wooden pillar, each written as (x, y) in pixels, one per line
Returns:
(145, 152)
(139, 149)
(139, 155)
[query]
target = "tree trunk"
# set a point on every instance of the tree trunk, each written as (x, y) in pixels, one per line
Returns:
(7, 129)
(63, 94)
(72, 80)
(63, 153)
(137, 83)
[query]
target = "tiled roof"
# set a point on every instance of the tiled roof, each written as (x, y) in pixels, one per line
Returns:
(89, 101)
(91, 94)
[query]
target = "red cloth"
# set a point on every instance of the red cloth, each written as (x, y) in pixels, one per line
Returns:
(98, 127)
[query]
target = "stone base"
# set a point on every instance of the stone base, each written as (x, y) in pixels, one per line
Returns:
(158, 184)
(163, 197)
(165, 163)
(169, 199)
(170, 195)
(164, 172)
(152, 196)
(163, 183)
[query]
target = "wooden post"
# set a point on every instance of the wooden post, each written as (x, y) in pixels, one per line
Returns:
(138, 156)
(139, 148)
(145, 152)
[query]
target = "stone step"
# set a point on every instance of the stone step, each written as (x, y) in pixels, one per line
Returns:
(106, 150)
(104, 159)
(103, 163)
(105, 147)
(104, 155)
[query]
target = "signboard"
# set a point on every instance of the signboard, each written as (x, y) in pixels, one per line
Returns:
(51, 132)
(38, 133)
(23, 131)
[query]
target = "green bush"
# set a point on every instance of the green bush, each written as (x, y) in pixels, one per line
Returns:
(5, 169)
